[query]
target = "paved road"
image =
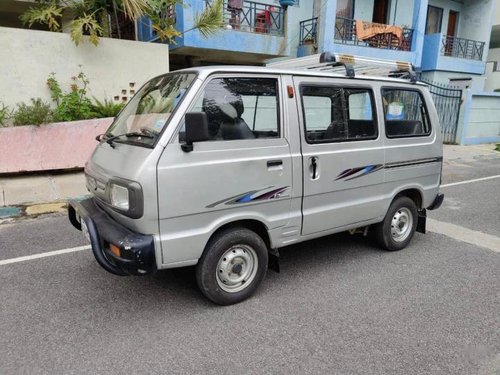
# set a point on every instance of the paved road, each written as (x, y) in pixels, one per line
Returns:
(339, 306)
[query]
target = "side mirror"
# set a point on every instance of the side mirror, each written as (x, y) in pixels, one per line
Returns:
(196, 124)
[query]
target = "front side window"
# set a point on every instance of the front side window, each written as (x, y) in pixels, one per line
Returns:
(405, 113)
(240, 108)
(335, 114)
(142, 120)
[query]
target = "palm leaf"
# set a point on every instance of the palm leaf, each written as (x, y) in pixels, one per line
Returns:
(211, 19)
(134, 8)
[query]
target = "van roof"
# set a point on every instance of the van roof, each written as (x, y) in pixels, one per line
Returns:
(207, 70)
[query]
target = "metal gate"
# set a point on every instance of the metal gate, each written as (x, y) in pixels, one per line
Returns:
(447, 100)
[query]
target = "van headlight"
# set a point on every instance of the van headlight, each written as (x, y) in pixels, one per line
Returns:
(119, 197)
(125, 196)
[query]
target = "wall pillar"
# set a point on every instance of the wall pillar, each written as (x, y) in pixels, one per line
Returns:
(418, 26)
(326, 26)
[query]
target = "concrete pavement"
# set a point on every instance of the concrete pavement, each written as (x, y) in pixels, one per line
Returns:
(39, 193)
(44, 193)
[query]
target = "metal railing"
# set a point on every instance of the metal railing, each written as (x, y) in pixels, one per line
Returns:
(254, 17)
(308, 31)
(462, 48)
(345, 33)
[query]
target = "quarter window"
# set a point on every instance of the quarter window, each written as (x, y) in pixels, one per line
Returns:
(335, 114)
(405, 113)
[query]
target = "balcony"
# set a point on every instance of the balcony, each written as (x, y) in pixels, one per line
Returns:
(375, 35)
(308, 31)
(462, 48)
(448, 53)
(254, 17)
(308, 37)
(249, 35)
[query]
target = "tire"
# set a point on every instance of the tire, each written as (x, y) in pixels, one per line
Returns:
(398, 227)
(232, 266)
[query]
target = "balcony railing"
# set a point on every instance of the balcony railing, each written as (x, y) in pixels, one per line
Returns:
(462, 48)
(308, 31)
(254, 17)
(385, 37)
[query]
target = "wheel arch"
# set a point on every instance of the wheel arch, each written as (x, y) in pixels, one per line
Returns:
(414, 194)
(252, 224)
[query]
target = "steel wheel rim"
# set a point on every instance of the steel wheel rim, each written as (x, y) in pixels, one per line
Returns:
(401, 224)
(236, 268)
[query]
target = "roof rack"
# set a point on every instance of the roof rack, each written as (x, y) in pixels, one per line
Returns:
(351, 65)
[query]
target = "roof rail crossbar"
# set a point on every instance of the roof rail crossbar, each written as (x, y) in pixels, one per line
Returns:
(329, 60)
(353, 65)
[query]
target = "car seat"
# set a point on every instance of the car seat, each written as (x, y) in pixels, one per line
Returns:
(224, 109)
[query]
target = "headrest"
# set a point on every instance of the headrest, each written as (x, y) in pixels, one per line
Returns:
(219, 101)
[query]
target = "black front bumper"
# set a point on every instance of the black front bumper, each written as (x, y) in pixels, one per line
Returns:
(137, 252)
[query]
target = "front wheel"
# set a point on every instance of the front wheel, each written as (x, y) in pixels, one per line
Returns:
(232, 266)
(398, 227)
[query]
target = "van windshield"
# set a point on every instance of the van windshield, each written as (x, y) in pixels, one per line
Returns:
(144, 117)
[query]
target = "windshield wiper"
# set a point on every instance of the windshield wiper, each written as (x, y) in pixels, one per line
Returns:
(146, 133)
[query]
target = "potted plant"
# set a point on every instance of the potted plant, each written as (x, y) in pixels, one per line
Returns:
(287, 3)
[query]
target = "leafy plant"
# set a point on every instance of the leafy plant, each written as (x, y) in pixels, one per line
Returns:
(86, 25)
(497, 148)
(92, 17)
(5, 114)
(71, 105)
(36, 113)
(106, 108)
(49, 14)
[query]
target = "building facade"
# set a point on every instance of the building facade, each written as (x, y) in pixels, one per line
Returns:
(493, 61)
(447, 40)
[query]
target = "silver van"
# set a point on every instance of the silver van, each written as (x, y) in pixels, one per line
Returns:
(219, 167)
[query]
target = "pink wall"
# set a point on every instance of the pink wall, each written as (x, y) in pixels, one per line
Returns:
(54, 146)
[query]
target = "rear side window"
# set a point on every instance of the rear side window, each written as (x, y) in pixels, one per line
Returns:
(336, 114)
(405, 113)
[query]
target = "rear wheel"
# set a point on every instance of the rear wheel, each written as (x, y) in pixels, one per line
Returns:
(232, 266)
(398, 227)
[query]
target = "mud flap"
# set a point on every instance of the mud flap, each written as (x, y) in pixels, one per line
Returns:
(274, 260)
(422, 218)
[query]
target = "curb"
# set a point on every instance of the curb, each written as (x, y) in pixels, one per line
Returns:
(9, 213)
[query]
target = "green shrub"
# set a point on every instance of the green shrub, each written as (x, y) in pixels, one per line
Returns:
(5, 114)
(36, 113)
(74, 104)
(498, 147)
(106, 108)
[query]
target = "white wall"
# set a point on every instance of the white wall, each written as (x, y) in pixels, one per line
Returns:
(483, 125)
(401, 13)
(476, 20)
(496, 18)
(363, 10)
(447, 5)
(493, 78)
(27, 57)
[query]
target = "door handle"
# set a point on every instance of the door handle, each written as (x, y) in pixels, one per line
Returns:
(274, 163)
(314, 167)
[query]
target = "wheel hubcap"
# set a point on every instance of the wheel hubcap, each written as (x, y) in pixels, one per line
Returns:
(236, 268)
(401, 224)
